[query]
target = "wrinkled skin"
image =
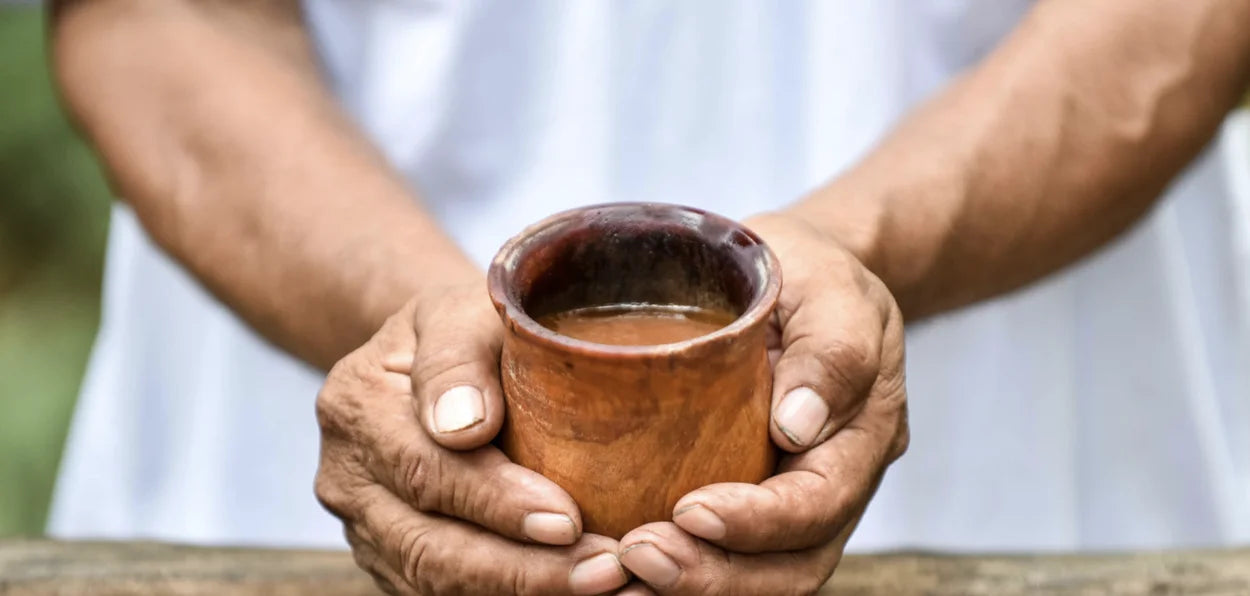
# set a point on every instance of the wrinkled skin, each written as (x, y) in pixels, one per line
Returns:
(430, 512)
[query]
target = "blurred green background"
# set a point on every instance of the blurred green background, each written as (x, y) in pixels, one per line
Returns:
(53, 218)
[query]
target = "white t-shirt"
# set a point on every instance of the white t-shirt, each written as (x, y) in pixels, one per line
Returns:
(1106, 407)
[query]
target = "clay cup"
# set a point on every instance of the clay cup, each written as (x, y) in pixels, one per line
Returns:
(628, 430)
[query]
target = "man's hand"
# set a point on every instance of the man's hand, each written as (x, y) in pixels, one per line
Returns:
(427, 504)
(839, 406)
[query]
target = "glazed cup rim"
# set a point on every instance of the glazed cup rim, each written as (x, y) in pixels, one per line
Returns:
(499, 278)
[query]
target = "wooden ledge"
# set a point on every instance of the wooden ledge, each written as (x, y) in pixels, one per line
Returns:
(140, 568)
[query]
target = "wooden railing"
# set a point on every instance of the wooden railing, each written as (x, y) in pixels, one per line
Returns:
(103, 568)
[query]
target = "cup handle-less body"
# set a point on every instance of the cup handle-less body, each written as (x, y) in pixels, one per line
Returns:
(628, 442)
(628, 430)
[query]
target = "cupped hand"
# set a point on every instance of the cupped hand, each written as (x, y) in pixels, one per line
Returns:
(839, 408)
(427, 504)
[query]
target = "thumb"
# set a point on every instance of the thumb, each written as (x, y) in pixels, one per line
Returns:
(831, 354)
(455, 369)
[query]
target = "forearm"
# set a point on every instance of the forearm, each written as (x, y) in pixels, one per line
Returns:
(215, 127)
(1056, 143)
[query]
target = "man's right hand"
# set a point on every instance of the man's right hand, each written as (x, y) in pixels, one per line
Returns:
(428, 505)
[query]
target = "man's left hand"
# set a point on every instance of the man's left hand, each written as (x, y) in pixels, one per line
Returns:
(839, 409)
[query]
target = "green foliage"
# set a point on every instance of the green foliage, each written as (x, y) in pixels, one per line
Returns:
(53, 221)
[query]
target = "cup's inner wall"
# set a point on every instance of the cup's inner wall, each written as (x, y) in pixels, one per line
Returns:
(659, 257)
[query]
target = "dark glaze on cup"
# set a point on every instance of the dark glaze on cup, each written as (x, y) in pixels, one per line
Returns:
(628, 430)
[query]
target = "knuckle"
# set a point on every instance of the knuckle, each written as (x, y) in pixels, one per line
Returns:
(490, 497)
(442, 485)
(366, 377)
(338, 490)
(339, 404)
(327, 397)
(851, 366)
(419, 569)
(855, 357)
(329, 410)
(463, 502)
(418, 478)
(348, 403)
(902, 440)
(429, 483)
(324, 406)
(452, 496)
(328, 493)
(520, 582)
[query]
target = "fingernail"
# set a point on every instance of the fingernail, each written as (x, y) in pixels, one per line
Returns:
(597, 575)
(800, 415)
(700, 521)
(550, 528)
(650, 564)
(458, 409)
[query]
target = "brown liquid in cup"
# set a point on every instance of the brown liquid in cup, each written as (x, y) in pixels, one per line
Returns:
(637, 324)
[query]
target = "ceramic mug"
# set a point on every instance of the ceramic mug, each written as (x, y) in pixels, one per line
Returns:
(628, 430)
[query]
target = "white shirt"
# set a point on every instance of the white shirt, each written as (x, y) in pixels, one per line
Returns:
(1106, 407)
